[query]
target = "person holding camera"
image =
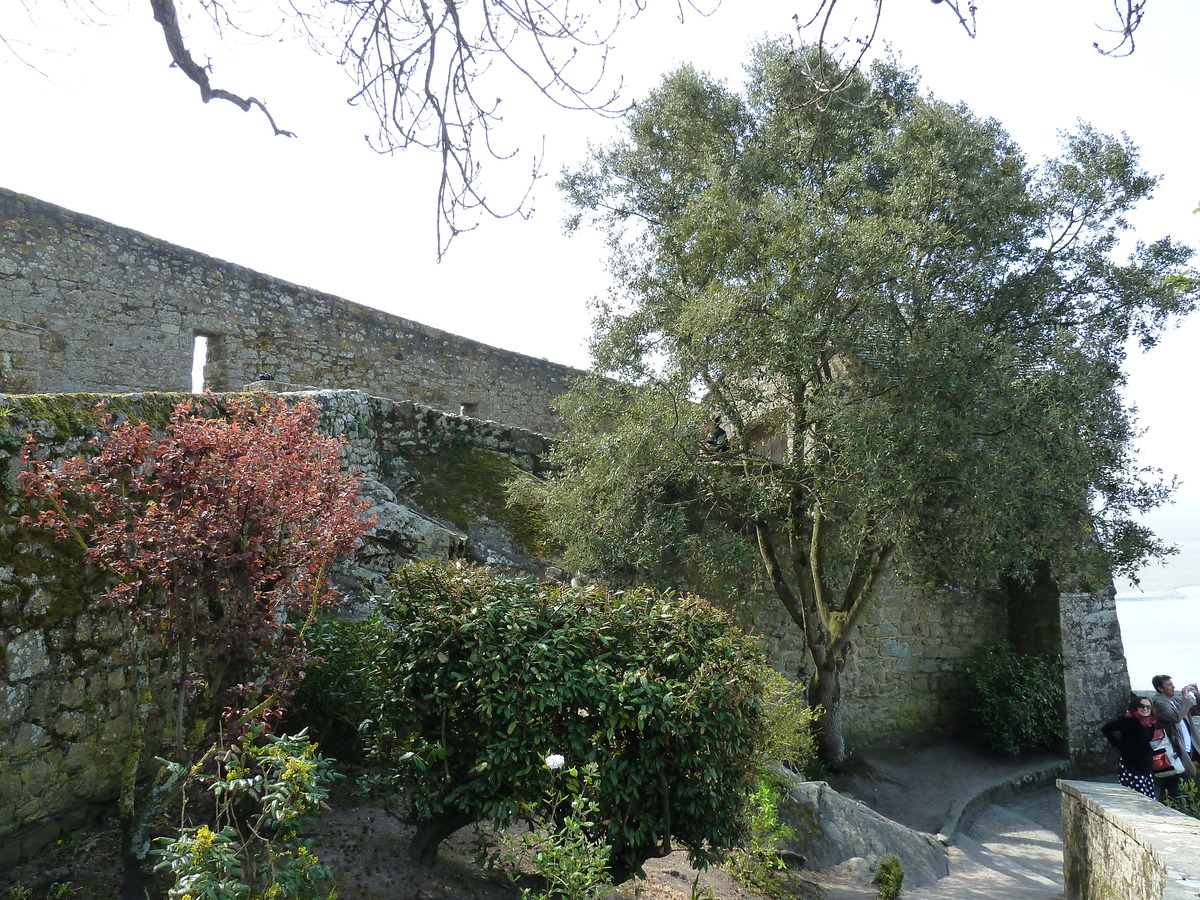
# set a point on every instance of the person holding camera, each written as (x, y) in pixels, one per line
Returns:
(1174, 711)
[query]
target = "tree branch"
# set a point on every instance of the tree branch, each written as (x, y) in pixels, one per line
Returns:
(1129, 14)
(166, 16)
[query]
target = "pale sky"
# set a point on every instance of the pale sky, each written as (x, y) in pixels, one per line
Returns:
(107, 128)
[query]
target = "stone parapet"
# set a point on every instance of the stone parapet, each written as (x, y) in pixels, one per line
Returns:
(1120, 845)
(92, 306)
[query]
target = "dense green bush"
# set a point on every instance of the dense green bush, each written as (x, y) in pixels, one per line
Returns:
(466, 680)
(1188, 799)
(1018, 698)
(759, 863)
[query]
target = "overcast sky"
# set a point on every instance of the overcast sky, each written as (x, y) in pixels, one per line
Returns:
(101, 124)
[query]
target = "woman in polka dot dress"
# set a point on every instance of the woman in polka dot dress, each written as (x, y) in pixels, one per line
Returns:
(1131, 734)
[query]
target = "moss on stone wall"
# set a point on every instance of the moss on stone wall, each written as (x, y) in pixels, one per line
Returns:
(73, 416)
(46, 580)
(464, 484)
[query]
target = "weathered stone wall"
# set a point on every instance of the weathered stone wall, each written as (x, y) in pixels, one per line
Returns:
(1120, 845)
(1095, 675)
(89, 306)
(903, 676)
(904, 673)
(20, 353)
(67, 677)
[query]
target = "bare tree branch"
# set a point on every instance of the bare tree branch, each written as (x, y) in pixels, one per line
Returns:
(1129, 14)
(419, 66)
(847, 44)
(431, 72)
(166, 16)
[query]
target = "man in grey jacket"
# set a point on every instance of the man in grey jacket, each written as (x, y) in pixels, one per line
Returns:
(1174, 712)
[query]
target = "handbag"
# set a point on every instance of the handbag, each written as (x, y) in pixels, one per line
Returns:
(1164, 761)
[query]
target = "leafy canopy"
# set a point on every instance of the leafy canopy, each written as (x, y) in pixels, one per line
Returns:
(862, 333)
(902, 327)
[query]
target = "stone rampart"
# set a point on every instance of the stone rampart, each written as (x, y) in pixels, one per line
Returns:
(89, 306)
(1120, 845)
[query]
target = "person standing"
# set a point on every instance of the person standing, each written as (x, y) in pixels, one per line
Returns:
(1174, 712)
(1131, 734)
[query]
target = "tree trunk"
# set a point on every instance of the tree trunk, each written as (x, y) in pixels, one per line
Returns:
(825, 690)
(134, 884)
(430, 834)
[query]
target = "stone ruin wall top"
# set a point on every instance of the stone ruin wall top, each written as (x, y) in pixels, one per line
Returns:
(86, 305)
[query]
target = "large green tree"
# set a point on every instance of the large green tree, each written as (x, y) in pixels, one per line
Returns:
(861, 335)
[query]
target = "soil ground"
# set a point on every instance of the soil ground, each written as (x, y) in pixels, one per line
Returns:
(916, 785)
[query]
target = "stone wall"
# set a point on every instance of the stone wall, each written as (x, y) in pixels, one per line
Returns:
(1120, 845)
(903, 675)
(89, 306)
(1095, 675)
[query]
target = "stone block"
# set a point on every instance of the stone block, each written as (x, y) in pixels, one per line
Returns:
(14, 699)
(832, 829)
(26, 655)
(30, 737)
(71, 724)
(72, 694)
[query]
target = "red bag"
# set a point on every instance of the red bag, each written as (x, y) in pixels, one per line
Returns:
(1161, 762)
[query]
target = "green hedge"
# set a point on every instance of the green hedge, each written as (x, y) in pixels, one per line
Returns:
(465, 681)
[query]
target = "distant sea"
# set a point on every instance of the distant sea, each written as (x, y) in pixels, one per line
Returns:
(1160, 619)
(1161, 635)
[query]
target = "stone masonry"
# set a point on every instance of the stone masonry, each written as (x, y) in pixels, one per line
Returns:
(1120, 845)
(89, 306)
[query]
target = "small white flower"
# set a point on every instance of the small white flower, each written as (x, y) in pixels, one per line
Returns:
(555, 761)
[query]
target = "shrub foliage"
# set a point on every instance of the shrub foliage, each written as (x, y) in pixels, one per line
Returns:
(264, 790)
(216, 537)
(890, 878)
(465, 680)
(1018, 698)
(214, 533)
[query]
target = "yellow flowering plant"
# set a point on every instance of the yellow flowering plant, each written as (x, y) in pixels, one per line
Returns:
(266, 788)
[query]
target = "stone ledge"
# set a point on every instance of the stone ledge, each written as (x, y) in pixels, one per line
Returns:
(1033, 776)
(1119, 843)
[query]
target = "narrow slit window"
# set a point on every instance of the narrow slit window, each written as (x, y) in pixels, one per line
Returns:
(199, 360)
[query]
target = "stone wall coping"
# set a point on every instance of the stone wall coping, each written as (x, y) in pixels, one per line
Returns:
(1170, 838)
(1038, 774)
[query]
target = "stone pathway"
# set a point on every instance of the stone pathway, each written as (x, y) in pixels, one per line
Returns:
(1007, 851)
